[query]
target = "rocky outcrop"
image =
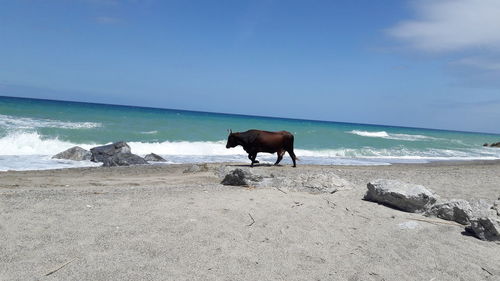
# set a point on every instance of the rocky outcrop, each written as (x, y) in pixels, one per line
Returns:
(496, 207)
(116, 154)
(406, 197)
(485, 223)
(459, 210)
(486, 228)
(481, 218)
(75, 153)
(154, 158)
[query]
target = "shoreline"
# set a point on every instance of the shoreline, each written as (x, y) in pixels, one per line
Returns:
(170, 222)
(431, 163)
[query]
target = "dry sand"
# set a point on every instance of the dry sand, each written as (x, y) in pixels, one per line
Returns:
(158, 223)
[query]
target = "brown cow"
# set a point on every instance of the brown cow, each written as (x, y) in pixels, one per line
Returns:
(255, 141)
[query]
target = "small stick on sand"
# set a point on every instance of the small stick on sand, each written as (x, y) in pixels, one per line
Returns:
(253, 221)
(61, 266)
(437, 222)
(486, 270)
(281, 190)
(330, 204)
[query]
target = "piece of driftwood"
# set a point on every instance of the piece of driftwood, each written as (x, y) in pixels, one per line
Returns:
(486, 270)
(437, 222)
(280, 190)
(253, 221)
(59, 267)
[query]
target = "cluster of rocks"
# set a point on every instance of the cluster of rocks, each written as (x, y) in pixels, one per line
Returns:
(323, 182)
(115, 154)
(496, 144)
(479, 217)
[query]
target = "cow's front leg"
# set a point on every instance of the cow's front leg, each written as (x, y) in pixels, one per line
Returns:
(252, 157)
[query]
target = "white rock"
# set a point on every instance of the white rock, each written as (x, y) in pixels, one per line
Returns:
(457, 210)
(406, 197)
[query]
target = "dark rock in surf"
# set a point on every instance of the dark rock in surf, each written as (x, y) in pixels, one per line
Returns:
(154, 158)
(497, 144)
(123, 159)
(100, 153)
(75, 153)
(116, 154)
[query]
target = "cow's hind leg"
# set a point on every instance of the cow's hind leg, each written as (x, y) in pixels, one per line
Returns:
(292, 155)
(280, 156)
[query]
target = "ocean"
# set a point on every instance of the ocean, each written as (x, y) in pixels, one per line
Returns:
(33, 130)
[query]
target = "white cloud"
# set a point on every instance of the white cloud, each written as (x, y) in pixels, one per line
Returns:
(487, 64)
(452, 25)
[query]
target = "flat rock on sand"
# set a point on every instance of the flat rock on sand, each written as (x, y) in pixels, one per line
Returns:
(315, 182)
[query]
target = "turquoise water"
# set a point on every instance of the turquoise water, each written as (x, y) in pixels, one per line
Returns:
(31, 128)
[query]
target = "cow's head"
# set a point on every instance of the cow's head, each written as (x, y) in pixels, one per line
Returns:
(232, 140)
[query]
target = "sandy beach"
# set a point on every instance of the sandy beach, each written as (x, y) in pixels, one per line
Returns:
(159, 223)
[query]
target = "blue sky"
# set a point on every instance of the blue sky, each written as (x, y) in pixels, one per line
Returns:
(420, 63)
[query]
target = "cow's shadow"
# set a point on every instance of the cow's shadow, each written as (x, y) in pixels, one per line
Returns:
(255, 165)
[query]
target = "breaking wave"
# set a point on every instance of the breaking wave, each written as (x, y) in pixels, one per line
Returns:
(17, 123)
(385, 135)
(26, 143)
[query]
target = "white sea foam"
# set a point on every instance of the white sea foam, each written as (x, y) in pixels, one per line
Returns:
(25, 143)
(385, 135)
(39, 162)
(18, 123)
(185, 148)
(150, 132)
